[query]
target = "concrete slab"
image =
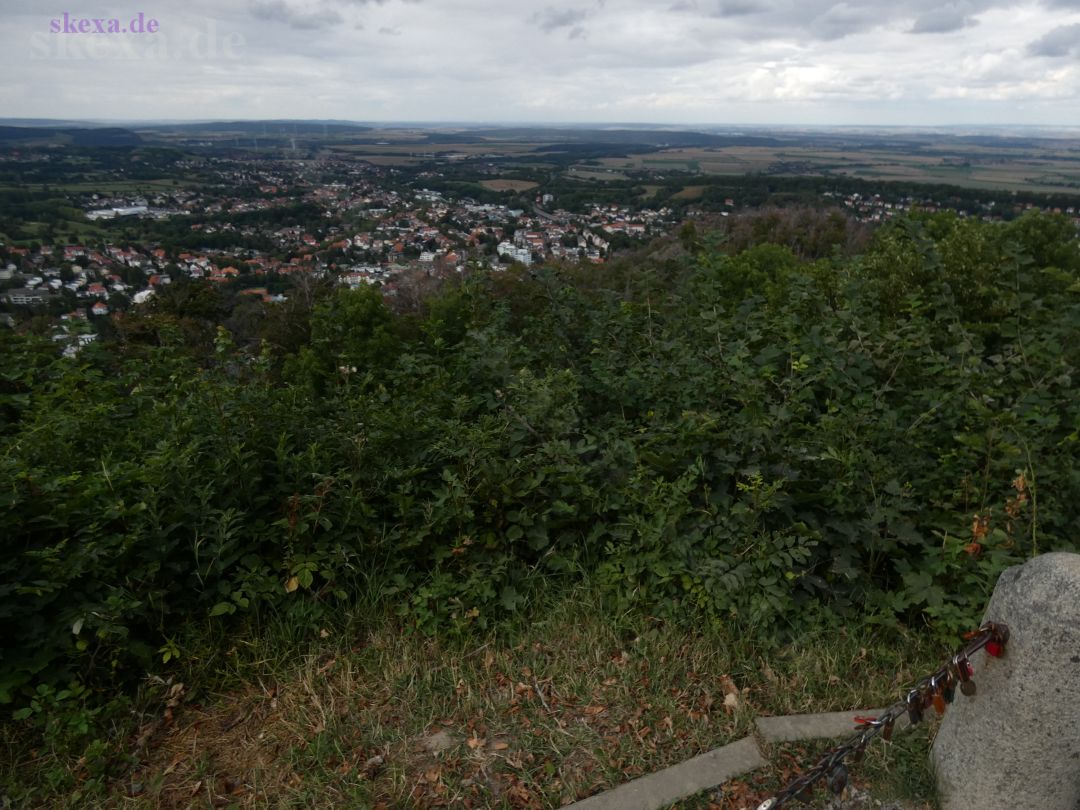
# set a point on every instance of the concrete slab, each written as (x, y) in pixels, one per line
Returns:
(679, 781)
(811, 726)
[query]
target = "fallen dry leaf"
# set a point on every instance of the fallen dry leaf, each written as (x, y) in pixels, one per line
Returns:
(770, 676)
(373, 765)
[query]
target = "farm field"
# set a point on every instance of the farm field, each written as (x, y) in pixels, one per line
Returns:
(508, 185)
(1045, 169)
(690, 193)
(1005, 161)
(589, 173)
(105, 186)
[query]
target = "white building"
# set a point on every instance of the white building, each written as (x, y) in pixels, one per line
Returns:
(516, 254)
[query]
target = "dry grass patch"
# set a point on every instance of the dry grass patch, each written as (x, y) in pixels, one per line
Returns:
(508, 185)
(579, 699)
(690, 193)
(538, 721)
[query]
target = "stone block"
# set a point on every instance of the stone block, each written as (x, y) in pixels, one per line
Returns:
(1016, 743)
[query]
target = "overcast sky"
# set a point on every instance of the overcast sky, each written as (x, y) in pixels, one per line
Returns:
(879, 62)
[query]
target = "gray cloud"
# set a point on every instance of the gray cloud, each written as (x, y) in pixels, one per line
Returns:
(951, 17)
(738, 8)
(299, 18)
(371, 2)
(752, 20)
(842, 20)
(551, 19)
(835, 19)
(17, 8)
(1062, 41)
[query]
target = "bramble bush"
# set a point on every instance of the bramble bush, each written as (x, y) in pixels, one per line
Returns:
(744, 437)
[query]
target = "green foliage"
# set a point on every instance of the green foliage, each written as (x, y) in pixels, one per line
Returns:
(351, 334)
(756, 439)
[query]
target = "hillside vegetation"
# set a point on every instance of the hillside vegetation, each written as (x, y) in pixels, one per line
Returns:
(772, 439)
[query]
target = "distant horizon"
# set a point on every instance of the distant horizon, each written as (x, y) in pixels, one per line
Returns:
(31, 121)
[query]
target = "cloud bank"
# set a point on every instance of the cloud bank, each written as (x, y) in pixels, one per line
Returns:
(688, 61)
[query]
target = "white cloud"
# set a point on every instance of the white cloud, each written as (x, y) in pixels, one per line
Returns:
(813, 61)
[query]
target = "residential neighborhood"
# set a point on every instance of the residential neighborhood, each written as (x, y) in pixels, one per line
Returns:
(254, 224)
(291, 220)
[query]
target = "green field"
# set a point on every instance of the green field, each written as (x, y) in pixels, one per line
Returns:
(106, 186)
(1043, 169)
(590, 173)
(1012, 160)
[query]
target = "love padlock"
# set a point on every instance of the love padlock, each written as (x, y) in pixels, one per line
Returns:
(838, 779)
(856, 756)
(914, 706)
(887, 729)
(995, 647)
(937, 697)
(966, 672)
(948, 685)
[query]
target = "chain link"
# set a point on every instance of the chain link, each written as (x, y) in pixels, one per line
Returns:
(936, 689)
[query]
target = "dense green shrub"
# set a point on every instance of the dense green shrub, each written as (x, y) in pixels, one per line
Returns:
(751, 438)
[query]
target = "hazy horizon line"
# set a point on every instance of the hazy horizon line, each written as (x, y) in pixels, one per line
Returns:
(31, 121)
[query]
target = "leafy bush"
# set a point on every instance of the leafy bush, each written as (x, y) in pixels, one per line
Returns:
(751, 438)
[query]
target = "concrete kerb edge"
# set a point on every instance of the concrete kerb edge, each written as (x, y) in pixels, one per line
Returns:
(660, 788)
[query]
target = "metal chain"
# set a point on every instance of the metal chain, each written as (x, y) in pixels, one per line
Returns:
(935, 690)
